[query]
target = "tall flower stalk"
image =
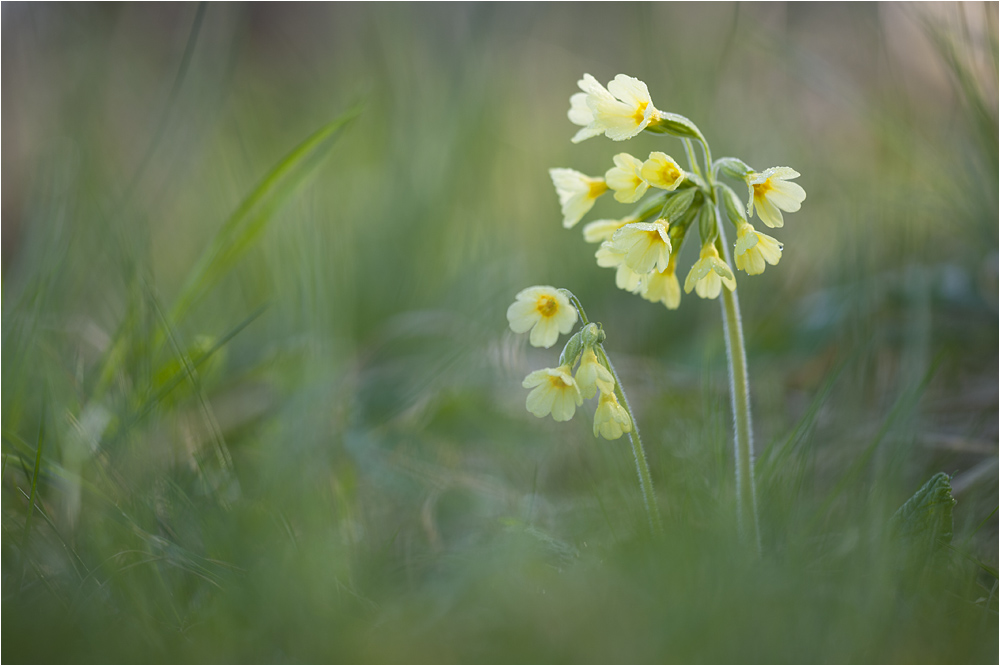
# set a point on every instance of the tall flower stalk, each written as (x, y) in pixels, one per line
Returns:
(643, 246)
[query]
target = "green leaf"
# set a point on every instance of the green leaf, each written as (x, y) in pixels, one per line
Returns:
(251, 217)
(927, 516)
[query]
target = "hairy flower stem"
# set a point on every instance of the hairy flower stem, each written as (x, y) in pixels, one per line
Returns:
(642, 467)
(739, 389)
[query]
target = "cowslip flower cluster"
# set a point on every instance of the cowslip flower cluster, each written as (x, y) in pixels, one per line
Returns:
(643, 246)
(547, 312)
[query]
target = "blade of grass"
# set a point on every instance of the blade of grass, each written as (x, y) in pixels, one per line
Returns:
(218, 440)
(257, 209)
(769, 463)
(31, 499)
(906, 402)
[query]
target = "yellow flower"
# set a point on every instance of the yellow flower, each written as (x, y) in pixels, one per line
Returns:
(553, 391)
(619, 112)
(662, 287)
(771, 193)
(645, 245)
(577, 193)
(625, 180)
(661, 171)
(754, 248)
(708, 274)
(591, 375)
(625, 278)
(546, 311)
(602, 230)
(580, 114)
(611, 419)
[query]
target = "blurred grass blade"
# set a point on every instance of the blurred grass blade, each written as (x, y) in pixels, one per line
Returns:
(31, 499)
(251, 218)
(927, 516)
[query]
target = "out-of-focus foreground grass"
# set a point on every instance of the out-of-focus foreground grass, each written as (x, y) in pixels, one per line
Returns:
(295, 431)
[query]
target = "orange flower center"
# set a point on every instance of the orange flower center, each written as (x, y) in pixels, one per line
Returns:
(547, 306)
(761, 189)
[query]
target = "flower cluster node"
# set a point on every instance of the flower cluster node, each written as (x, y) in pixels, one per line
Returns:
(643, 246)
(557, 391)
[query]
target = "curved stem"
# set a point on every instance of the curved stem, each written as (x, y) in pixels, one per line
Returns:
(739, 389)
(642, 467)
(692, 158)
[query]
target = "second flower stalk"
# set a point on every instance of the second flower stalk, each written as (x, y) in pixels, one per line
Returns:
(546, 312)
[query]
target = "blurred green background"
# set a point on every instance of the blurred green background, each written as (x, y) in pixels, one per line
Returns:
(316, 448)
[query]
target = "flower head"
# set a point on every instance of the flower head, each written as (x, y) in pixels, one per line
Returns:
(553, 391)
(577, 193)
(754, 248)
(602, 230)
(620, 111)
(592, 375)
(611, 419)
(624, 178)
(544, 310)
(709, 273)
(661, 171)
(645, 245)
(771, 193)
(662, 287)
(625, 278)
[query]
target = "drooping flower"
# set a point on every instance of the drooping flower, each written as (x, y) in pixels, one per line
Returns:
(771, 193)
(662, 287)
(580, 113)
(620, 111)
(754, 248)
(577, 193)
(645, 245)
(544, 310)
(602, 230)
(611, 420)
(592, 375)
(661, 171)
(625, 277)
(553, 391)
(709, 273)
(625, 179)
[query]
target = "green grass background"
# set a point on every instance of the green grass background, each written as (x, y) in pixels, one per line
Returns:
(269, 409)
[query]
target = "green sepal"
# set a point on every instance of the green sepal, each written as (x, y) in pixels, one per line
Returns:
(593, 335)
(650, 207)
(677, 204)
(733, 166)
(676, 124)
(706, 225)
(573, 349)
(678, 230)
(926, 518)
(733, 205)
